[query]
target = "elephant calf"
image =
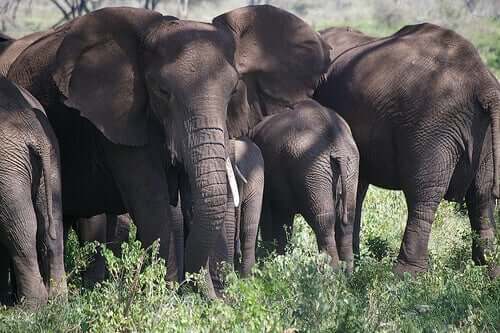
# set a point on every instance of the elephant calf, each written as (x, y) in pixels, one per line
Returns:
(240, 223)
(311, 162)
(31, 226)
(109, 229)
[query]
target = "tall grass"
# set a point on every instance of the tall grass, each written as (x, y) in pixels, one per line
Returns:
(298, 291)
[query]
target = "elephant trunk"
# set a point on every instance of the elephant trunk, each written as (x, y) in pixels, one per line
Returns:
(205, 159)
(489, 99)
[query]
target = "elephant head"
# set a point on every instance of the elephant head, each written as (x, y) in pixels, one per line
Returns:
(123, 68)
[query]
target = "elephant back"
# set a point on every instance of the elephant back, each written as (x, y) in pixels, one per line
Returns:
(13, 48)
(32, 67)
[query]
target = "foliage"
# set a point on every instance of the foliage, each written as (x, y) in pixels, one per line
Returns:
(297, 291)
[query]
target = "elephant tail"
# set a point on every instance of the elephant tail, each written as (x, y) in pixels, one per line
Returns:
(46, 158)
(349, 181)
(490, 102)
(47, 152)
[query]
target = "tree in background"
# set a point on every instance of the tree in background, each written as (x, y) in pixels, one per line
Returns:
(149, 4)
(74, 8)
(8, 12)
(182, 8)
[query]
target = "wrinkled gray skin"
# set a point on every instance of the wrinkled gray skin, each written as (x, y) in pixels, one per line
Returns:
(121, 84)
(425, 113)
(240, 223)
(312, 166)
(31, 227)
(108, 229)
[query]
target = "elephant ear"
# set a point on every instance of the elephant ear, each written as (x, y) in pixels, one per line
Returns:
(32, 101)
(239, 116)
(282, 53)
(98, 71)
(13, 96)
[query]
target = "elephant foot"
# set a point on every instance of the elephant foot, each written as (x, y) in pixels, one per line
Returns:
(400, 268)
(95, 272)
(494, 272)
(346, 257)
(7, 299)
(35, 300)
(347, 266)
(59, 290)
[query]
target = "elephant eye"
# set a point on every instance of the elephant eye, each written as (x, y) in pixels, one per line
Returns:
(235, 89)
(164, 92)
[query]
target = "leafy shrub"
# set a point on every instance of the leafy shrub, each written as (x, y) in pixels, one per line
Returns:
(298, 291)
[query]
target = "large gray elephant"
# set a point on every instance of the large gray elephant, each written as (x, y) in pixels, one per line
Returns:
(122, 84)
(238, 241)
(425, 113)
(31, 226)
(311, 166)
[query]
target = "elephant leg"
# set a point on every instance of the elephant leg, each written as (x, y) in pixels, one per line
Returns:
(360, 197)
(249, 224)
(172, 270)
(69, 222)
(224, 248)
(145, 193)
(111, 224)
(175, 269)
(5, 286)
(117, 232)
(19, 227)
(266, 221)
(58, 283)
(323, 225)
(30, 286)
(422, 199)
(282, 228)
(480, 207)
(90, 230)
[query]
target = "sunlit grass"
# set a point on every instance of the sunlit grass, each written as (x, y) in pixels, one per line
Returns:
(298, 290)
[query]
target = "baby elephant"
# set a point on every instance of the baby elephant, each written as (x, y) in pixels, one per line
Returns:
(312, 165)
(31, 225)
(109, 229)
(240, 223)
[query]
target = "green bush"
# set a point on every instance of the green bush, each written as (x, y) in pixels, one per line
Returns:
(297, 291)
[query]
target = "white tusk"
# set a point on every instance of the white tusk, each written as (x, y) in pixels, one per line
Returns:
(232, 183)
(239, 174)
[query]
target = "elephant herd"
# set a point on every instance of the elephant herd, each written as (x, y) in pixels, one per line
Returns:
(206, 133)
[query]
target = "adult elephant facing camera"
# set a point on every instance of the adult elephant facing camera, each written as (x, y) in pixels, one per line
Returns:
(122, 84)
(425, 113)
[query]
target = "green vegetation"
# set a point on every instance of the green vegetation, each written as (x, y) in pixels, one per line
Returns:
(297, 291)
